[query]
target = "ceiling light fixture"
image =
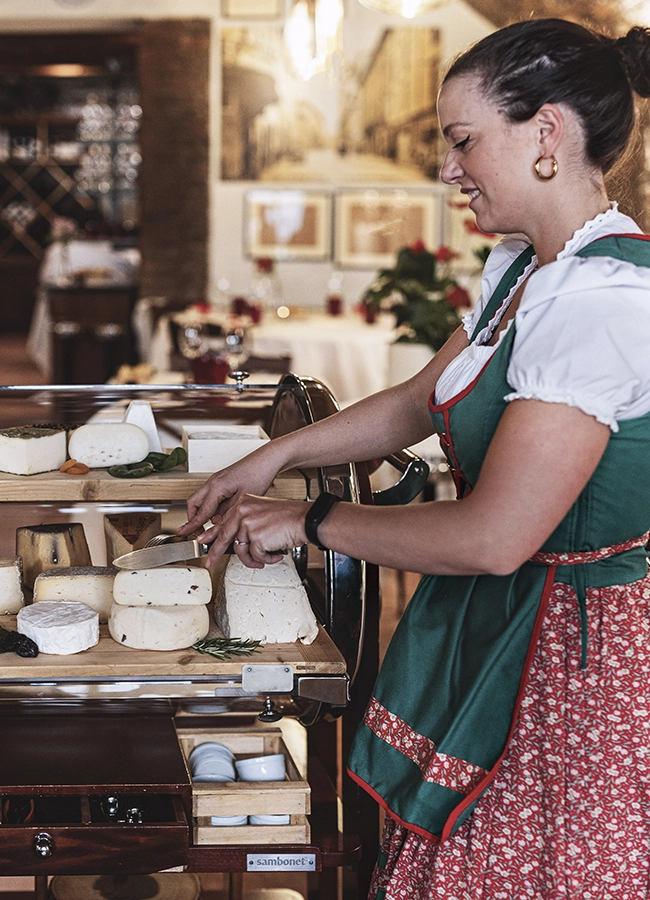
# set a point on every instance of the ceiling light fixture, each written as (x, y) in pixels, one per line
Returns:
(408, 9)
(313, 34)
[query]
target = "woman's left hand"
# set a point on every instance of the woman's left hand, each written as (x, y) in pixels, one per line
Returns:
(261, 529)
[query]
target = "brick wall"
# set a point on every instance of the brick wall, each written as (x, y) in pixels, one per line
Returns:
(174, 73)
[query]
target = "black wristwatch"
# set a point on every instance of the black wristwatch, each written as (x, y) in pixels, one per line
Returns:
(315, 515)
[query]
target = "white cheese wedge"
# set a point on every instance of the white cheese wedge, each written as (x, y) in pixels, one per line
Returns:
(92, 585)
(139, 413)
(52, 546)
(268, 605)
(103, 444)
(29, 449)
(11, 585)
(158, 627)
(163, 586)
(60, 627)
(125, 532)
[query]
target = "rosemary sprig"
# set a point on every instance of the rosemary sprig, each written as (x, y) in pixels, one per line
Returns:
(225, 648)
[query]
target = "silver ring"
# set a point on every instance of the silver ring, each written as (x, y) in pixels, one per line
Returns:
(239, 543)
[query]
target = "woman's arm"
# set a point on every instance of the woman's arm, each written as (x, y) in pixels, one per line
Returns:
(540, 459)
(374, 427)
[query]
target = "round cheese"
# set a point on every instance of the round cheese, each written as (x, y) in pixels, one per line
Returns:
(158, 627)
(60, 627)
(163, 586)
(92, 585)
(103, 444)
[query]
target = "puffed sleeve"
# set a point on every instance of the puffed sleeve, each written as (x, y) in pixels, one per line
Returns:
(501, 256)
(583, 338)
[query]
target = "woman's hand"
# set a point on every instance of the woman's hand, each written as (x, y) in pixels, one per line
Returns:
(250, 475)
(261, 529)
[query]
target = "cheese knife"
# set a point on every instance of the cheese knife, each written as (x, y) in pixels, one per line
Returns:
(163, 555)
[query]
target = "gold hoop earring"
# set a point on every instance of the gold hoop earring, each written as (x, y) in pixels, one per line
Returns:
(540, 174)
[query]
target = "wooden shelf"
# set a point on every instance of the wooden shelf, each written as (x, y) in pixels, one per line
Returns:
(99, 486)
(110, 660)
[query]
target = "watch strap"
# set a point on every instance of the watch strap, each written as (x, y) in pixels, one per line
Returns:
(315, 515)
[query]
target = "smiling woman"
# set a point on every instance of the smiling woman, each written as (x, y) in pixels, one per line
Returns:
(508, 727)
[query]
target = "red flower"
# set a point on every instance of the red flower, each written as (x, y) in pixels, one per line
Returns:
(445, 254)
(472, 228)
(457, 296)
(264, 264)
(417, 247)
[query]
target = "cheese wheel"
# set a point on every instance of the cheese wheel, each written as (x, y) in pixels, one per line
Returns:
(268, 605)
(158, 627)
(103, 444)
(163, 586)
(125, 532)
(29, 449)
(11, 585)
(92, 585)
(53, 546)
(60, 627)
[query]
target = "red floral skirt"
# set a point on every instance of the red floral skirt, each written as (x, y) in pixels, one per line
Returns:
(568, 813)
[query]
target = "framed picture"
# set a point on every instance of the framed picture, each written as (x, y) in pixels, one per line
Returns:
(288, 224)
(250, 9)
(372, 225)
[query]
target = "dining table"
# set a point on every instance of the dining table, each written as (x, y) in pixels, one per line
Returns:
(350, 356)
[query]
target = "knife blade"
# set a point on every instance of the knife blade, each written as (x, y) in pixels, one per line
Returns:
(162, 555)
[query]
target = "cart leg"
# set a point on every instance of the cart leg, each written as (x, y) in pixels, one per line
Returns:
(235, 886)
(40, 887)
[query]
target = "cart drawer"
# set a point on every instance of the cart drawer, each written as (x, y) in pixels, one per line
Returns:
(245, 798)
(66, 834)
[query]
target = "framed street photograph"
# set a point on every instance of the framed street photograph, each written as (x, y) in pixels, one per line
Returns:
(372, 225)
(288, 224)
(250, 9)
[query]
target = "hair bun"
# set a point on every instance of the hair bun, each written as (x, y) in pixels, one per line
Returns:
(634, 52)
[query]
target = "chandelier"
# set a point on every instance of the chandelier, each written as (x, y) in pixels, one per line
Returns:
(408, 9)
(313, 34)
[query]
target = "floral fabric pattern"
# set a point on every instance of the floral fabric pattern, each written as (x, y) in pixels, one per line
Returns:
(577, 558)
(567, 816)
(448, 771)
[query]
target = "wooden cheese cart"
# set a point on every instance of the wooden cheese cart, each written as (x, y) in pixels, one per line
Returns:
(94, 746)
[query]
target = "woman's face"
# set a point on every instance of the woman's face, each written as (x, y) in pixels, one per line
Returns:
(489, 157)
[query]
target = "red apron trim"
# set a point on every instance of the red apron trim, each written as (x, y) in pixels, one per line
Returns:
(578, 557)
(532, 646)
(639, 237)
(380, 800)
(439, 768)
(441, 407)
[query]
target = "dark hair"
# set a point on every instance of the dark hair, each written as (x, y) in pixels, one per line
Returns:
(542, 61)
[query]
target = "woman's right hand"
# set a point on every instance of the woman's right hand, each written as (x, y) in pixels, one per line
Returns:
(252, 475)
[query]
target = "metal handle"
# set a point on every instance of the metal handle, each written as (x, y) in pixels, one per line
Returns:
(43, 845)
(415, 474)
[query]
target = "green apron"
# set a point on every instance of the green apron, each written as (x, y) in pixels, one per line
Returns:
(447, 696)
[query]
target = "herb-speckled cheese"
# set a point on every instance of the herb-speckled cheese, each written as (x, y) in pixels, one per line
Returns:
(268, 605)
(158, 627)
(163, 586)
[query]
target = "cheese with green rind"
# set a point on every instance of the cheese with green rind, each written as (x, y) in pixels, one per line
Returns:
(30, 449)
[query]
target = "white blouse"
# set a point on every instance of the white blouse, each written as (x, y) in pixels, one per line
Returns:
(582, 328)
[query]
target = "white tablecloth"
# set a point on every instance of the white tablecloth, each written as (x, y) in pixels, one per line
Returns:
(346, 354)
